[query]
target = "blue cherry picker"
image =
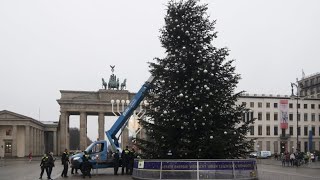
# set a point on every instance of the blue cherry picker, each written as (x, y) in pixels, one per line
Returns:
(98, 150)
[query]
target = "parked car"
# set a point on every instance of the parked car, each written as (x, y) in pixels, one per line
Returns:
(253, 155)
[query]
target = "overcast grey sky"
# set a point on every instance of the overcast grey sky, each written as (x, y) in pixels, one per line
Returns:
(47, 46)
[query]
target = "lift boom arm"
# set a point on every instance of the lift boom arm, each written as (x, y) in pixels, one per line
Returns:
(124, 117)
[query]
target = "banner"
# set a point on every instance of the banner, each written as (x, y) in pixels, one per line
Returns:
(283, 114)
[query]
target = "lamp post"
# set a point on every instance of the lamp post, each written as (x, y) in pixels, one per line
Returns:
(297, 96)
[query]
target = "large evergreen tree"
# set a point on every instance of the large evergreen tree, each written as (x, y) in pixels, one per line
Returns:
(193, 112)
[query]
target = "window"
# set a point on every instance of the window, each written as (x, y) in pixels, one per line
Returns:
(244, 104)
(298, 106)
(275, 105)
(283, 132)
(275, 130)
(318, 106)
(275, 143)
(291, 130)
(312, 106)
(298, 117)
(291, 117)
(299, 130)
(290, 105)
(260, 130)
(251, 130)
(252, 104)
(305, 130)
(268, 130)
(313, 129)
(268, 145)
(305, 106)
(305, 116)
(8, 147)
(259, 115)
(313, 117)
(319, 117)
(97, 148)
(306, 146)
(319, 132)
(8, 132)
(259, 104)
(268, 116)
(275, 116)
(268, 105)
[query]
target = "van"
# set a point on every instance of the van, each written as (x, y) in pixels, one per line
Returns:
(264, 154)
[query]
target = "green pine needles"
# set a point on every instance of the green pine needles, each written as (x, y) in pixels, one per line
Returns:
(193, 111)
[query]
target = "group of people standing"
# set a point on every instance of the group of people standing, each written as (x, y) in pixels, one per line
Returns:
(126, 161)
(294, 159)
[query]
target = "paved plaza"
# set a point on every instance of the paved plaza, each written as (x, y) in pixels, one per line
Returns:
(21, 169)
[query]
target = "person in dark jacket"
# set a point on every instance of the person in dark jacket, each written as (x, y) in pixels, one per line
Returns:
(65, 163)
(44, 165)
(125, 160)
(116, 162)
(73, 169)
(132, 155)
(86, 165)
(50, 164)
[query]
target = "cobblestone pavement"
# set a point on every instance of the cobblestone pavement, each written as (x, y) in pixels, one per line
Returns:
(269, 169)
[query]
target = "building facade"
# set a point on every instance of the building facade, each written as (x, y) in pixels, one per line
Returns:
(310, 86)
(273, 136)
(21, 135)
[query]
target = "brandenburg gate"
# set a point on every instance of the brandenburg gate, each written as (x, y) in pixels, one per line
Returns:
(86, 103)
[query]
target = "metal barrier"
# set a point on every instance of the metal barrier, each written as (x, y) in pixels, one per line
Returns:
(195, 169)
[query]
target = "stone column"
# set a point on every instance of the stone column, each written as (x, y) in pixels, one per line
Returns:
(101, 126)
(31, 141)
(54, 142)
(83, 130)
(14, 140)
(37, 141)
(34, 141)
(27, 140)
(63, 131)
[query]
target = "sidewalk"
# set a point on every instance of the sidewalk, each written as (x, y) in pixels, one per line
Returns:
(312, 165)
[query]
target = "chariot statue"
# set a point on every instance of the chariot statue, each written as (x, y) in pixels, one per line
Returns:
(114, 82)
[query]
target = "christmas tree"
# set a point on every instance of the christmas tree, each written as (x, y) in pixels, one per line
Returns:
(193, 111)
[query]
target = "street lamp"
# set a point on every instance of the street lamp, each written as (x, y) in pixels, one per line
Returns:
(297, 96)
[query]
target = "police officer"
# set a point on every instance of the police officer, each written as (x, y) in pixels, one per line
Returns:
(65, 162)
(50, 164)
(86, 165)
(125, 160)
(116, 161)
(44, 165)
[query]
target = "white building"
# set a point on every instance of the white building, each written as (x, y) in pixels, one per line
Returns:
(267, 127)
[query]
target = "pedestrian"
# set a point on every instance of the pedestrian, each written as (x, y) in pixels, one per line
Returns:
(65, 163)
(44, 165)
(50, 164)
(30, 157)
(125, 160)
(132, 155)
(86, 165)
(292, 159)
(116, 161)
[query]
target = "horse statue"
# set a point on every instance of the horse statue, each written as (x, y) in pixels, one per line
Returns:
(123, 84)
(104, 84)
